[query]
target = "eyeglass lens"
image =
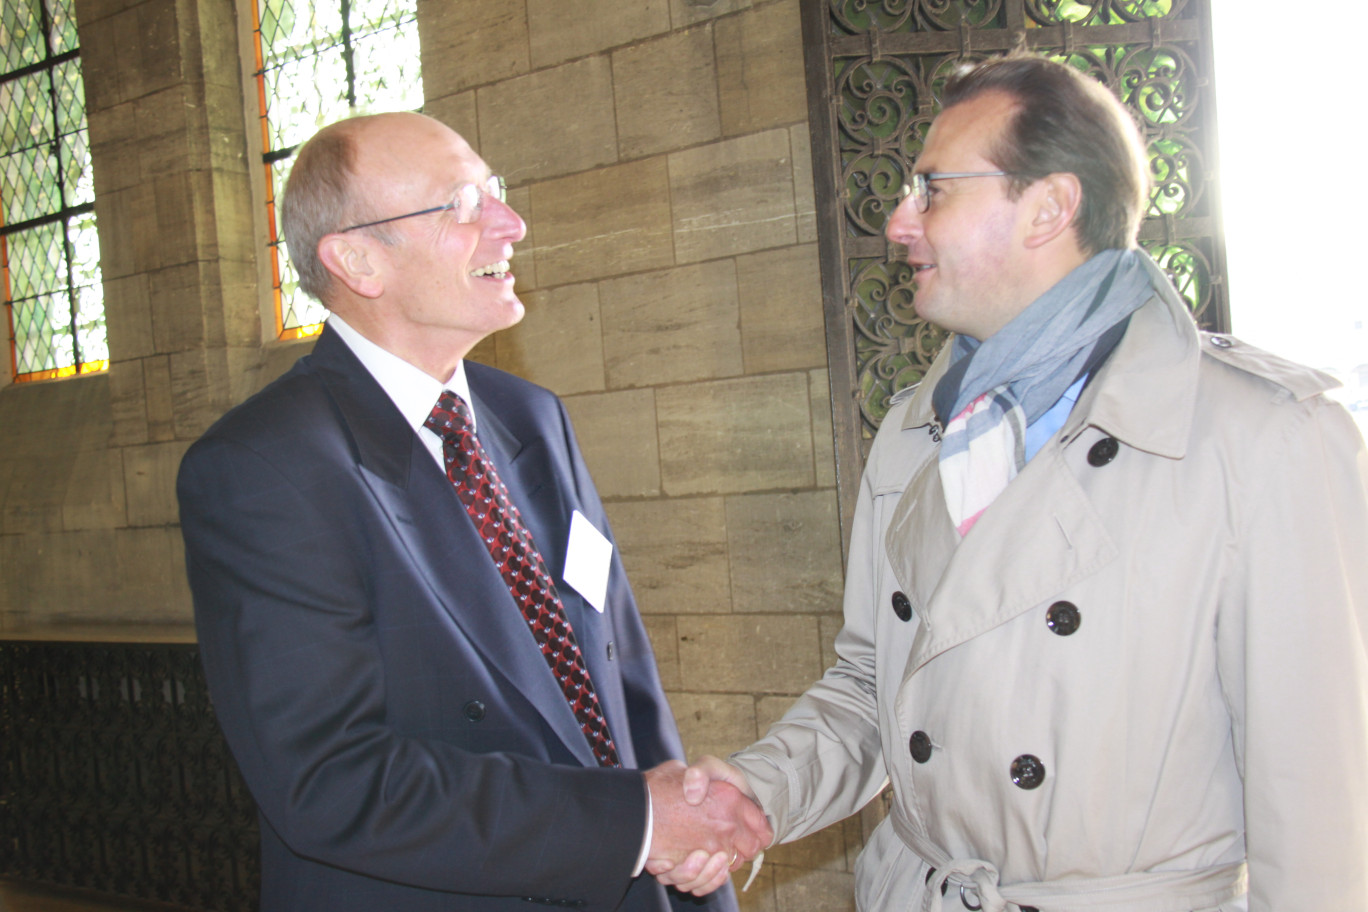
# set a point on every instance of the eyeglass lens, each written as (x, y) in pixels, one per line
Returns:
(469, 201)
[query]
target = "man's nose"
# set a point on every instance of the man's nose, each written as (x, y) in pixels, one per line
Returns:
(503, 220)
(905, 225)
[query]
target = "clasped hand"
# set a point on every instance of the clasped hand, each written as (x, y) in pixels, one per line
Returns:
(707, 824)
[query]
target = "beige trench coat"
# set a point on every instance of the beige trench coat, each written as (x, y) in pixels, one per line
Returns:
(1158, 629)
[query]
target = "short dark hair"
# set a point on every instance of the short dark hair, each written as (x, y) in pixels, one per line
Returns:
(1066, 122)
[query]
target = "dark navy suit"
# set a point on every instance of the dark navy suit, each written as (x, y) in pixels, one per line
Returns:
(396, 723)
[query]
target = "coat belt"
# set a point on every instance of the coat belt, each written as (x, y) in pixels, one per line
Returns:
(1141, 891)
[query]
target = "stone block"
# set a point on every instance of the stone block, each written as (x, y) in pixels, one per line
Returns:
(128, 316)
(830, 625)
(148, 40)
(229, 237)
(617, 434)
(166, 146)
(675, 552)
(471, 43)
(178, 198)
(549, 123)
(785, 552)
(175, 295)
(688, 12)
(124, 249)
(559, 342)
(820, 890)
(150, 482)
(671, 325)
(715, 724)
(664, 638)
(198, 397)
(64, 576)
(732, 197)
(804, 191)
(605, 222)
(94, 497)
(760, 653)
(780, 292)
(770, 709)
(457, 111)
(729, 436)
(127, 406)
(157, 398)
(656, 114)
(560, 30)
(524, 262)
(34, 493)
(824, 850)
(760, 896)
(151, 578)
(823, 439)
(760, 68)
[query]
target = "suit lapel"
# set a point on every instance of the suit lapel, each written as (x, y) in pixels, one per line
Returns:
(430, 522)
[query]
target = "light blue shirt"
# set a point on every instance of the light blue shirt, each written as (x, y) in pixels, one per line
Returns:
(1044, 427)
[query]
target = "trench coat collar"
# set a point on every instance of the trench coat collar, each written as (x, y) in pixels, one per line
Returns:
(1144, 395)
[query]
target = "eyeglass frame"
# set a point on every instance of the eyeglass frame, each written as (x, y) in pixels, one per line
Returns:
(924, 179)
(494, 185)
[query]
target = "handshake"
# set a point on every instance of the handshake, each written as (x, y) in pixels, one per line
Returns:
(706, 824)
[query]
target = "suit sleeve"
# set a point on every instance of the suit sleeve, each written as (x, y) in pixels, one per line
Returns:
(290, 645)
(1294, 656)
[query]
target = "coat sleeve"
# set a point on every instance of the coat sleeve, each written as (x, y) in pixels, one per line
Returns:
(282, 580)
(823, 760)
(1293, 644)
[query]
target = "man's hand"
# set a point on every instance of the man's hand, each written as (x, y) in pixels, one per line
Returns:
(696, 843)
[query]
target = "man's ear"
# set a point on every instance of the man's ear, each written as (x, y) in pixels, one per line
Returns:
(1055, 199)
(352, 260)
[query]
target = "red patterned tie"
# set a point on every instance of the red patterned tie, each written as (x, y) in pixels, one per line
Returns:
(510, 545)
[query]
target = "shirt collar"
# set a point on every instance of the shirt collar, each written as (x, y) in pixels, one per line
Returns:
(413, 392)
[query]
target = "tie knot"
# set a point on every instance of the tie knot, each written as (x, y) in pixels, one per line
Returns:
(449, 415)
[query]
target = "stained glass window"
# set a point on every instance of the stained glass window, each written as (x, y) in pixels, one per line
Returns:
(48, 247)
(319, 61)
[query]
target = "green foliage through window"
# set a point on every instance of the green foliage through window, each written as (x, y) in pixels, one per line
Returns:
(48, 246)
(320, 61)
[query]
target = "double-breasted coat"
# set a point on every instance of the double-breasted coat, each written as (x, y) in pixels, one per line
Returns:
(1138, 684)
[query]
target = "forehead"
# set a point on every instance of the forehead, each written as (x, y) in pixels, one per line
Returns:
(962, 135)
(416, 152)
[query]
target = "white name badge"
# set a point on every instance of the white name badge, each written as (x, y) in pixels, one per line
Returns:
(587, 558)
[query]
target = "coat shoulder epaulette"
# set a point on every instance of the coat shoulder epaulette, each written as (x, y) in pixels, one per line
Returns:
(1301, 381)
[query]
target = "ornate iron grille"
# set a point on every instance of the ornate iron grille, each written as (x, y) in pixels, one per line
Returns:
(318, 61)
(875, 69)
(49, 250)
(114, 776)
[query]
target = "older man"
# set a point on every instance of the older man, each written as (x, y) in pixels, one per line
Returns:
(416, 630)
(1107, 596)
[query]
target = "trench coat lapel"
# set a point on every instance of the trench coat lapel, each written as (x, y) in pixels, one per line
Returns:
(430, 521)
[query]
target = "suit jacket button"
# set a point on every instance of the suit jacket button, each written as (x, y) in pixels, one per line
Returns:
(1103, 452)
(612, 650)
(1028, 772)
(474, 710)
(1063, 618)
(902, 607)
(920, 746)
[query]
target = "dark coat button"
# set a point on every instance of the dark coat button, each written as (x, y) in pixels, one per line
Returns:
(920, 745)
(474, 710)
(902, 607)
(1063, 618)
(612, 651)
(1028, 772)
(1103, 452)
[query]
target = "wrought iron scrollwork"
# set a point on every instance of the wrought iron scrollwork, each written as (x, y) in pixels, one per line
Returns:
(114, 776)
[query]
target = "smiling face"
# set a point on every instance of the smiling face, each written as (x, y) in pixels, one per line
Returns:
(442, 285)
(968, 249)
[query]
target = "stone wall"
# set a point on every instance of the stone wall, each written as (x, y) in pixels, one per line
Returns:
(659, 152)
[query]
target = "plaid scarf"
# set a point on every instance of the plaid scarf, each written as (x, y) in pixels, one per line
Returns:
(993, 389)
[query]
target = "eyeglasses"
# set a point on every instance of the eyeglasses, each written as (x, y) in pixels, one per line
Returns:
(920, 186)
(467, 203)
